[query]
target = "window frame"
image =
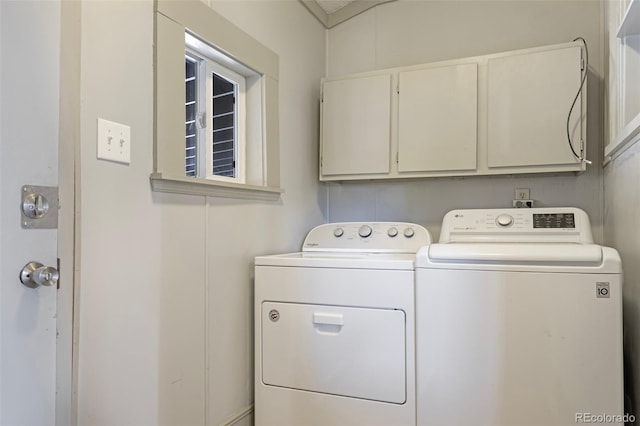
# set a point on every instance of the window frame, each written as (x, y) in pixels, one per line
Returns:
(172, 21)
(239, 142)
(206, 67)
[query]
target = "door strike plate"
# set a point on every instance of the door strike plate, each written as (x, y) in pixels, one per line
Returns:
(39, 207)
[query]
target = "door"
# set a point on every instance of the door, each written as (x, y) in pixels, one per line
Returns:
(336, 350)
(29, 126)
(437, 119)
(528, 101)
(356, 123)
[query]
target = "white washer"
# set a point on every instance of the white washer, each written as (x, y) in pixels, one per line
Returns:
(334, 328)
(518, 321)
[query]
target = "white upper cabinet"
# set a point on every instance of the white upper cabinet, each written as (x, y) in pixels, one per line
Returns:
(529, 97)
(356, 120)
(437, 125)
(504, 113)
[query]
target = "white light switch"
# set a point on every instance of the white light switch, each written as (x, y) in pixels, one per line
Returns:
(114, 141)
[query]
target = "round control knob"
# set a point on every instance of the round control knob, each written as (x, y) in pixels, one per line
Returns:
(504, 220)
(365, 231)
(409, 232)
(392, 232)
(338, 232)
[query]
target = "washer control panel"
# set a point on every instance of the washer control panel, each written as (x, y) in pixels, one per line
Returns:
(554, 220)
(562, 224)
(379, 237)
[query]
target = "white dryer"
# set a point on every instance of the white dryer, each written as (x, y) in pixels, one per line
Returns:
(334, 328)
(518, 321)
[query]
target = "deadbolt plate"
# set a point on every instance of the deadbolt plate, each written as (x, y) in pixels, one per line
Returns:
(46, 220)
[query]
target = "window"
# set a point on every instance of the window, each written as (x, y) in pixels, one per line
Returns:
(216, 106)
(224, 128)
(215, 111)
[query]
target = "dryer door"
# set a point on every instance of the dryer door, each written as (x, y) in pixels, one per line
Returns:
(354, 352)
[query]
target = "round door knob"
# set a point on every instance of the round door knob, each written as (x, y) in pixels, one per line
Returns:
(35, 274)
(365, 231)
(409, 232)
(338, 232)
(392, 232)
(504, 220)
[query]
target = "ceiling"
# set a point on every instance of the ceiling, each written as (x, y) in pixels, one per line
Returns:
(333, 12)
(331, 6)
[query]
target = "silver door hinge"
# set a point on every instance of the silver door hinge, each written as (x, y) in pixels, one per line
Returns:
(581, 64)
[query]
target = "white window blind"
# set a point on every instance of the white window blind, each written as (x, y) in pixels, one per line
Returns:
(191, 107)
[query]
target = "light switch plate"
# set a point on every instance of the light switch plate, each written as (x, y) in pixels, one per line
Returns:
(114, 141)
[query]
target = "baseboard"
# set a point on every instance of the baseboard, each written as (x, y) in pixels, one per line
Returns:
(237, 419)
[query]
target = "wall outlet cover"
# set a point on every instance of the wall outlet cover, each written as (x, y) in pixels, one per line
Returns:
(522, 194)
(526, 204)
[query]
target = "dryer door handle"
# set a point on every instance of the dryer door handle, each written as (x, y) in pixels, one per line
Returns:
(326, 318)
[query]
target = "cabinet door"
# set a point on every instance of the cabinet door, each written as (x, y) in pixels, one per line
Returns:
(356, 119)
(529, 96)
(438, 119)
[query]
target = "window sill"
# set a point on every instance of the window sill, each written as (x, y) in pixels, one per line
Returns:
(630, 24)
(211, 188)
(627, 137)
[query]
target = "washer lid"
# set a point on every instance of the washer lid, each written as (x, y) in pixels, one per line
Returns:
(395, 261)
(517, 253)
(552, 257)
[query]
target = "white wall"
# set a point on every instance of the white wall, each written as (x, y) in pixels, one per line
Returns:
(166, 327)
(166, 280)
(622, 231)
(622, 201)
(412, 32)
(120, 261)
